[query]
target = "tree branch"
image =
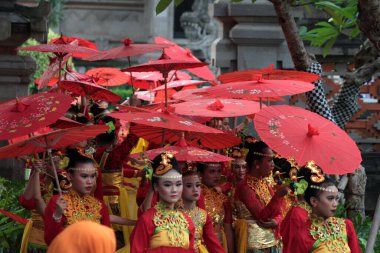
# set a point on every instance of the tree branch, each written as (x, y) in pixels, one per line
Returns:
(369, 20)
(300, 57)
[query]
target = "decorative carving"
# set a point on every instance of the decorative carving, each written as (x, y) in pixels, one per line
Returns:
(200, 29)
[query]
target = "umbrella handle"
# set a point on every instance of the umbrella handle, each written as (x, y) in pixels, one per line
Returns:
(55, 172)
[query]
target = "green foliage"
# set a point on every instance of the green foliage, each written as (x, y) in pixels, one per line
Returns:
(11, 231)
(42, 59)
(163, 4)
(342, 22)
(123, 91)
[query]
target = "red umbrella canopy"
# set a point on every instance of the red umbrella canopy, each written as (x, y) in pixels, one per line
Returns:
(260, 89)
(60, 48)
(304, 135)
(183, 152)
(50, 83)
(88, 89)
(164, 120)
(54, 140)
(108, 76)
(81, 42)
(189, 95)
(165, 64)
(63, 123)
(204, 140)
(177, 52)
(268, 74)
(180, 83)
(217, 108)
(127, 50)
(24, 115)
(51, 71)
(150, 80)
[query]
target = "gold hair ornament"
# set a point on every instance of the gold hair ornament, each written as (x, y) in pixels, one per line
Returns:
(168, 177)
(316, 173)
(165, 165)
(262, 154)
(321, 188)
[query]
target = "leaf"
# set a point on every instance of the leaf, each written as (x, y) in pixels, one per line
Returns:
(178, 2)
(162, 5)
(328, 46)
(302, 30)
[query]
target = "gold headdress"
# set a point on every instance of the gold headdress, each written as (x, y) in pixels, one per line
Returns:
(165, 166)
(316, 173)
(189, 168)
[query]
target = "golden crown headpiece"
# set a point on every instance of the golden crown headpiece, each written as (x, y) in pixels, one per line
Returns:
(165, 164)
(316, 173)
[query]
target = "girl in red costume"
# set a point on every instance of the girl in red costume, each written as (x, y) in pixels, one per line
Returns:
(205, 238)
(78, 203)
(163, 228)
(310, 226)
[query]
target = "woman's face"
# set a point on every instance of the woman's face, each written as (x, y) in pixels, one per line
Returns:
(239, 169)
(169, 187)
(325, 205)
(83, 180)
(211, 176)
(266, 164)
(191, 188)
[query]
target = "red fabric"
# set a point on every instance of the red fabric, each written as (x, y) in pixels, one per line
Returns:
(226, 187)
(98, 193)
(353, 242)
(250, 199)
(129, 171)
(296, 234)
(53, 228)
(29, 204)
(144, 230)
(119, 154)
(209, 237)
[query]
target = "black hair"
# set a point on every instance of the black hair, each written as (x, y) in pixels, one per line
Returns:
(106, 138)
(283, 166)
(96, 110)
(255, 148)
(82, 119)
(201, 166)
(313, 192)
(76, 158)
(157, 162)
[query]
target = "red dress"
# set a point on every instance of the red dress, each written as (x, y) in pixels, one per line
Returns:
(300, 234)
(79, 208)
(163, 230)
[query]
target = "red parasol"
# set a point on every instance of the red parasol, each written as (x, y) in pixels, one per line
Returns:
(207, 140)
(217, 108)
(24, 115)
(260, 89)
(180, 83)
(177, 52)
(88, 89)
(150, 80)
(40, 131)
(146, 95)
(268, 74)
(189, 95)
(55, 140)
(127, 50)
(52, 70)
(164, 120)
(184, 152)
(60, 48)
(108, 76)
(81, 43)
(63, 123)
(53, 81)
(164, 65)
(296, 132)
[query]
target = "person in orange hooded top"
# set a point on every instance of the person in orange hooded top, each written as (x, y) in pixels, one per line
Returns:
(310, 226)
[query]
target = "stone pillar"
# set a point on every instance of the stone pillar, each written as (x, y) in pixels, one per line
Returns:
(18, 23)
(251, 37)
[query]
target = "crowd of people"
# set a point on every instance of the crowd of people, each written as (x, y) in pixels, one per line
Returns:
(259, 202)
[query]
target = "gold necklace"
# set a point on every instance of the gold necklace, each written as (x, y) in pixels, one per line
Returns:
(85, 208)
(261, 188)
(198, 216)
(214, 204)
(172, 221)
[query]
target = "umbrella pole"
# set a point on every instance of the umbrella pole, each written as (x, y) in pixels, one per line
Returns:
(261, 103)
(165, 74)
(374, 228)
(130, 73)
(59, 73)
(55, 172)
(268, 101)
